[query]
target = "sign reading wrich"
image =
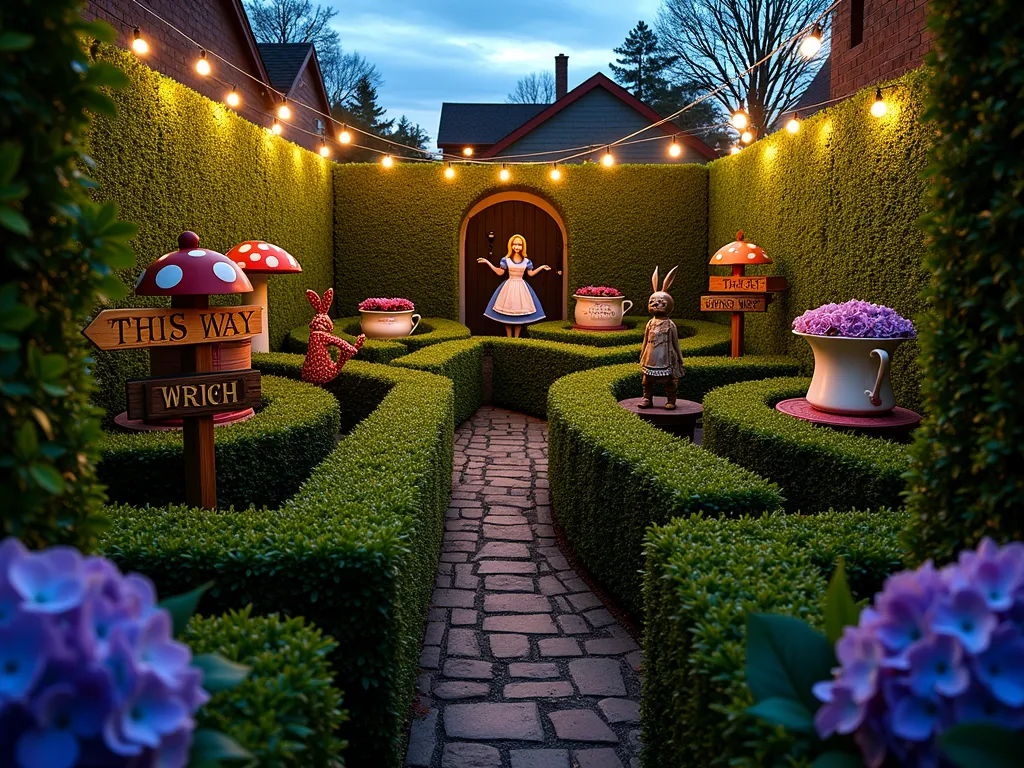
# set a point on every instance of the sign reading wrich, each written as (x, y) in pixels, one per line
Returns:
(740, 303)
(196, 394)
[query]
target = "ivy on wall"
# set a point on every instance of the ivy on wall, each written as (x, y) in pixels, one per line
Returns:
(836, 206)
(174, 160)
(397, 230)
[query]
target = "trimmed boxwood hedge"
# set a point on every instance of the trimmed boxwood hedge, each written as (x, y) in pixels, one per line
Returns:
(460, 361)
(287, 711)
(260, 462)
(702, 577)
(696, 337)
(817, 468)
(612, 474)
(431, 330)
(355, 550)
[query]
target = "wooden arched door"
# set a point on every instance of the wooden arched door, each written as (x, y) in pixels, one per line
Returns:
(544, 244)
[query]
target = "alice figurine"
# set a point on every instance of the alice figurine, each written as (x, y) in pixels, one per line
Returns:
(661, 360)
(514, 303)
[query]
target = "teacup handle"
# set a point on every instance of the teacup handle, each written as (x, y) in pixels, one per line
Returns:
(415, 324)
(626, 306)
(883, 369)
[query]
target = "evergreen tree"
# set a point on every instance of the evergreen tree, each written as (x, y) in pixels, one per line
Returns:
(411, 135)
(363, 110)
(640, 64)
(671, 97)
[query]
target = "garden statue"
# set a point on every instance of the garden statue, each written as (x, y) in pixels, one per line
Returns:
(661, 360)
(318, 367)
(514, 303)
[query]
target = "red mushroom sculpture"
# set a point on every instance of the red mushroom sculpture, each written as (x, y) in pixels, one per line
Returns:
(260, 260)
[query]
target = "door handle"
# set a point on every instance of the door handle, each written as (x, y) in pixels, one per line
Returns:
(559, 272)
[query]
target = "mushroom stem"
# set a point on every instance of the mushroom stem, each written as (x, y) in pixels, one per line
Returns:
(260, 343)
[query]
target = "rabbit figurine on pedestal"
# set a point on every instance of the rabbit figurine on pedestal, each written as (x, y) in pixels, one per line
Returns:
(318, 367)
(661, 360)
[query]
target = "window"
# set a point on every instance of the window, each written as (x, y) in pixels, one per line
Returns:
(856, 22)
(319, 125)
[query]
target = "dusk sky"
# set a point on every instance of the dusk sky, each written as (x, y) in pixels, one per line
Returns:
(465, 50)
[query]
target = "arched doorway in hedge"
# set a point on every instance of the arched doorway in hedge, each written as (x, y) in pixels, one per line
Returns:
(506, 214)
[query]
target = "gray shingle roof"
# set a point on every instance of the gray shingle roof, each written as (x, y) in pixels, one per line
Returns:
(817, 90)
(283, 62)
(482, 124)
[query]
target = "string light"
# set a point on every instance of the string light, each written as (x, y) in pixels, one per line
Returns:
(467, 151)
(139, 44)
(284, 111)
(233, 99)
(812, 43)
(734, 150)
(879, 107)
(555, 173)
(793, 125)
(449, 172)
(344, 136)
(325, 151)
(674, 149)
(276, 128)
(747, 136)
(607, 160)
(739, 119)
(503, 174)
(203, 64)
(387, 161)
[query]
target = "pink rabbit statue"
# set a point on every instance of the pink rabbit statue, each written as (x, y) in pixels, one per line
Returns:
(319, 368)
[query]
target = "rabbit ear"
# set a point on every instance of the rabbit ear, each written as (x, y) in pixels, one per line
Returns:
(314, 299)
(654, 280)
(669, 278)
(327, 300)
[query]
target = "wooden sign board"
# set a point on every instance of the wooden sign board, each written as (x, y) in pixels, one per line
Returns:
(753, 284)
(156, 327)
(193, 394)
(726, 303)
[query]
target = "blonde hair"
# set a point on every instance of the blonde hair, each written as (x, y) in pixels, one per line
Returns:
(508, 255)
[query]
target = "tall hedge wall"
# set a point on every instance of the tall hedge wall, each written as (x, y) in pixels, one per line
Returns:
(397, 230)
(174, 160)
(836, 206)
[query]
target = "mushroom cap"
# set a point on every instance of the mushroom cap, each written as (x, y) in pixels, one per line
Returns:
(191, 271)
(260, 256)
(739, 251)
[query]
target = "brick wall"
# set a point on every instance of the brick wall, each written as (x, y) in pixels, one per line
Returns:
(213, 24)
(895, 40)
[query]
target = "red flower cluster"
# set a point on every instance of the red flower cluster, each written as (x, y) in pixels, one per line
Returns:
(598, 290)
(385, 305)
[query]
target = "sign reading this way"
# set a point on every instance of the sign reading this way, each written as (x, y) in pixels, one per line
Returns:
(114, 329)
(740, 303)
(743, 284)
(195, 394)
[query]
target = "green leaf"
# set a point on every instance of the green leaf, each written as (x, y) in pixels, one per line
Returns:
(27, 440)
(790, 714)
(785, 658)
(17, 318)
(982, 744)
(105, 73)
(181, 607)
(840, 609)
(52, 367)
(209, 747)
(15, 41)
(14, 221)
(10, 160)
(48, 478)
(110, 288)
(837, 760)
(219, 674)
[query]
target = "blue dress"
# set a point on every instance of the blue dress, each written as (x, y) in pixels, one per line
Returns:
(514, 301)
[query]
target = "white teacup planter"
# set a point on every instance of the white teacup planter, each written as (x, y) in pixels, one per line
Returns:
(851, 376)
(388, 325)
(600, 313)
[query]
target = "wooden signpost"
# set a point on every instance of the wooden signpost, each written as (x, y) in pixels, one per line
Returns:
(201, 394)
(156, 327)
(757, 302)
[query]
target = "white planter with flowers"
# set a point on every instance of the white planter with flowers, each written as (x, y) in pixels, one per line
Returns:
(388, 318)
(600, 308)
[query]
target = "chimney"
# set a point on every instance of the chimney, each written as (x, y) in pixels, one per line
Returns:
(561, 75)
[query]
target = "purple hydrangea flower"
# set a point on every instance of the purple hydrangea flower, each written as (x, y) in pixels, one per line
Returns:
(936, 648)
(89, 671)
(854, 319)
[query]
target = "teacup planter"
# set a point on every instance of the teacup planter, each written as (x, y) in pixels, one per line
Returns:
(600, 308)
(388, 318)
(852, 343)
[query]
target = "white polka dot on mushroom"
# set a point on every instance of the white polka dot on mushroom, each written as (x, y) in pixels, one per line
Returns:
(732, 250)
(197, 252)
(241, 264)
(718, 256)
(272, 262)
(255, 256)
(139, 281)
(169, 276)
(291, 260)
(244, 248)
(263, 247)
(751, 255)
(225, 272)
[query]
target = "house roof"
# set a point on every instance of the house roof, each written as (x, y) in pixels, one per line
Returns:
(250, 39)
(285, 63)
(481, 124)
(817, 91)
(599, 80)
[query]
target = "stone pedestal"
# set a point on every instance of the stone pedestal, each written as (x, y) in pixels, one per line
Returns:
(680, 422)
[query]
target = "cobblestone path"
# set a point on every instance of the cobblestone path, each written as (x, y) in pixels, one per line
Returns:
(522, 666)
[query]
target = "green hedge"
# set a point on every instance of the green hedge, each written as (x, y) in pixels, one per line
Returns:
(612, 475)
(174, 160)
(967, 481)
(287, 711)
(260, 462)
(696, 337)
(431, 330)
(701, 579)
(397, 230)
(355, 550)
(836, 206)
(460, 361)
(817, 468)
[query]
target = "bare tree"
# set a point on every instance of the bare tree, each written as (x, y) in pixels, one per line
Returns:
(713, 41)
(342, 73)
(535, 88)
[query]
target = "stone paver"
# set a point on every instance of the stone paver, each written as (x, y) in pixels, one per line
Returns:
(523, 666)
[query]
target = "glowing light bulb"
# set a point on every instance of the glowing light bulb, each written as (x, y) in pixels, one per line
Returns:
(746, 137)
(449, 172)
(203, 64)
(734, 150)
(325, 151)
(387, 161)
(555, 173)
(233, 99)
(139, 44)
(674, 149)
(812, 43)
(739, 119)
(503, 174)
(608, 160)
(344, 137)
(879, 107)
(793, 126)
(467, 152)
(276, 128)
(284, 111)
